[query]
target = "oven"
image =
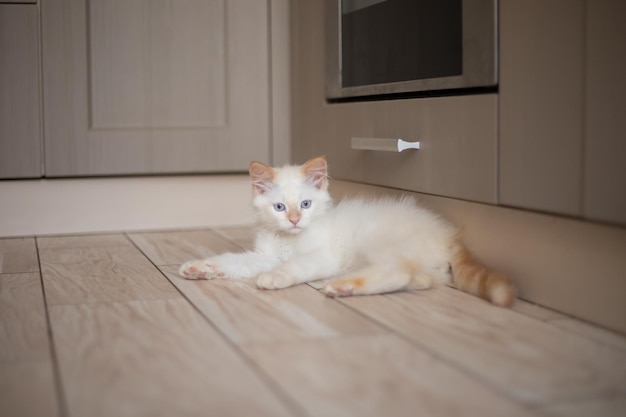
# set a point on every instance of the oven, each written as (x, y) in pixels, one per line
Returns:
(380, 49)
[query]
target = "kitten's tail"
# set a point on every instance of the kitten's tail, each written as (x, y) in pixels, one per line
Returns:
(476, 279)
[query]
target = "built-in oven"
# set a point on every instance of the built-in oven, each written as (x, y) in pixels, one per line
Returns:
(390, 48)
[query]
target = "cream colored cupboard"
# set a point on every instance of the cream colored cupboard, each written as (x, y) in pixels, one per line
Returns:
(562, 125)
(457, 135)
(141, 86)
(20, 137)
(542, 104)
(604, 185)
(155, 86)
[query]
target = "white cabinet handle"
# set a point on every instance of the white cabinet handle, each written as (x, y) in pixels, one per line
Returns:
(383, 144)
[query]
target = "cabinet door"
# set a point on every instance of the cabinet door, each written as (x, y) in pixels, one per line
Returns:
(154, 86)
(20, 139)
(457, 135)
(542, 104)
(605, 137)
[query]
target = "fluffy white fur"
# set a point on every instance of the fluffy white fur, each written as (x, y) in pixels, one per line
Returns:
(367, 246)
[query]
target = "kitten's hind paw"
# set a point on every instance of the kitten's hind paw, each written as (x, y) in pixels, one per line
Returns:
(201, 269)
(332, 291)
(343, 287)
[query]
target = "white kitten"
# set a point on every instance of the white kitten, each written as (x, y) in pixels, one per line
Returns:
(366, 246)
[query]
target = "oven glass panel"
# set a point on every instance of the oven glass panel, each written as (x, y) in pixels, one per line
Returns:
(385, 41)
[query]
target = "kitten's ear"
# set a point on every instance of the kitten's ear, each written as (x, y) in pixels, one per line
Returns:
(262, 177)
(316, 171)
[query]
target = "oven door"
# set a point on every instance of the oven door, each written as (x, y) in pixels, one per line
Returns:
(419, 47)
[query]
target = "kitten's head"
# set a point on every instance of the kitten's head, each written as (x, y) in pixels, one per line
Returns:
(287, 199)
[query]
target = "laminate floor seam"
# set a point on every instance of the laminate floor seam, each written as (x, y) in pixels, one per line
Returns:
(58, 381)
(440, 357)
(278, 391)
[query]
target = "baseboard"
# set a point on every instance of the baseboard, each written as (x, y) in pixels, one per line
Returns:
(60, 206)
(571, 266)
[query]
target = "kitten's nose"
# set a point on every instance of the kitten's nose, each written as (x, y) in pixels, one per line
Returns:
(294, 217)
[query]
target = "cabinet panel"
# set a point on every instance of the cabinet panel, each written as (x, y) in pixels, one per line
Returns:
(542, 104)
(605, 143)
(20, 139)
(155, 86)
(458, 145)
(156, 66)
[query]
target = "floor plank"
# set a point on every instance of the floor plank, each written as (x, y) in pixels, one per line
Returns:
(528, 359)
(18, 255)
(592, 332)
(27, 389)
(536, 311)
(379, 375)
(23, 327)
(242, 236)
(152, 358)
(170, 248)
(249, 315)
(100, 271)
(26, 377)
(83, 241)
(600, 407)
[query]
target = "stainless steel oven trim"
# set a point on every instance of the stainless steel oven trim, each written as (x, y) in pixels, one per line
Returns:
(480, 69)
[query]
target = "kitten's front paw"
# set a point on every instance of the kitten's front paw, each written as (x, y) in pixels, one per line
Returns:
(273, 281)
(200, 269)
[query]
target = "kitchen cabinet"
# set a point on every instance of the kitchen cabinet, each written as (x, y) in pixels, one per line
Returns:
(542, 104)
(154, 86)
(605, 122)
(550, 140)
(20, 137)
(458, 135)
(562, 147)
(458, 144)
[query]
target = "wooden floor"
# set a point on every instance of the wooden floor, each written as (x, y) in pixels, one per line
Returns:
(101, 325)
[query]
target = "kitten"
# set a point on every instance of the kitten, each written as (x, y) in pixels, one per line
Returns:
(365, 246)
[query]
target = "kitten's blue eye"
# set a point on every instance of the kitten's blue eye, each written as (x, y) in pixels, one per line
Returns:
(305, 204)
(279, 207)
